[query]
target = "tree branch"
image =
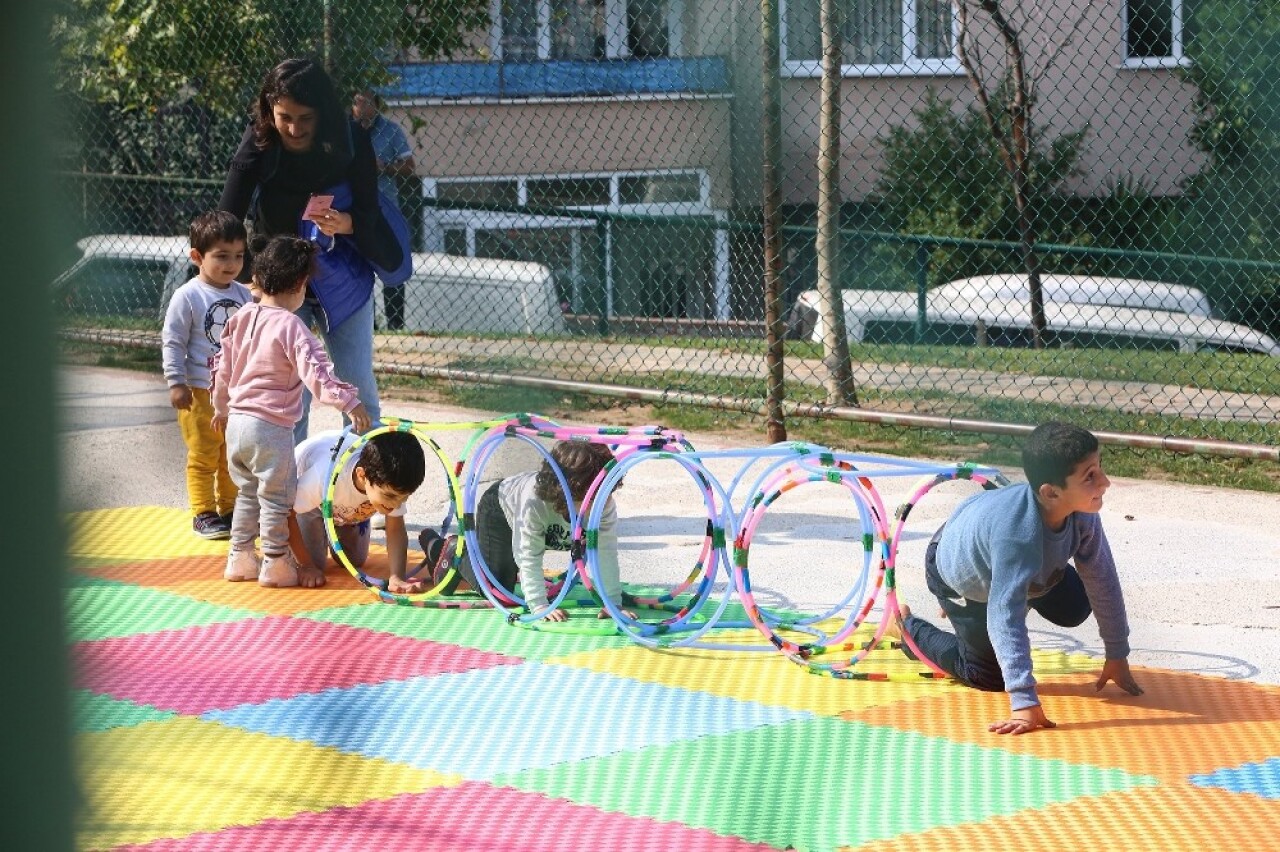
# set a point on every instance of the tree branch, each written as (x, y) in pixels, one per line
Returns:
(964, 48)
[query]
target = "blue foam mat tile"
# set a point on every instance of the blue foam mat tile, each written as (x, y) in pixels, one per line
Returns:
(1261, 779)
(484, 722)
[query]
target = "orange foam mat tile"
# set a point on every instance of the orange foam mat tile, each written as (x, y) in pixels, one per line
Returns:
(1184, 723)
(1170, 817)
(763, 677)
(275, 601)
(200, 577)
(161, 573)
(168, 779)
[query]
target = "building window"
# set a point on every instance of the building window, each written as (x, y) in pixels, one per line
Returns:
(1153, 33)
(881, 37)
(600, 267)
(539, 30)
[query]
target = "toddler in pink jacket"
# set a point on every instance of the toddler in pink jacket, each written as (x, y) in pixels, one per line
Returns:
(268, 355)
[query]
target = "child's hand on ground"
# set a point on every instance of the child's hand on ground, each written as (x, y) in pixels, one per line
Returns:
(180, 397)
(1023, 721)
(219, 423)
(604, 613)
(557, 615)
(401, 586)
(1118, 671)
(359, 418)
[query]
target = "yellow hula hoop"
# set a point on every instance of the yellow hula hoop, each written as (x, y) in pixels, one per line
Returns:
(431, 596)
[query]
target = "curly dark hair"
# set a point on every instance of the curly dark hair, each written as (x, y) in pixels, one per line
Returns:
(394, 460)
(580, 462)
(216, 226)
(304, 81)
(283, 265)
(1053, 450)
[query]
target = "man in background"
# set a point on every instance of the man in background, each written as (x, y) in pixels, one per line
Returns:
(395, 169)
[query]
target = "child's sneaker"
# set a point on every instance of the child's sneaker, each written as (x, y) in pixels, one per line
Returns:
(278, 572)
(440, 567)
(241, 565)
(228, 518)
(210, 525)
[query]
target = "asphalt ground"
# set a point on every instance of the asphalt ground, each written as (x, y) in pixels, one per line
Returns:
(1198, 564)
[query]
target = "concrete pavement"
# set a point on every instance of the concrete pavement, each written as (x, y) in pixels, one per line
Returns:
(1200, 566)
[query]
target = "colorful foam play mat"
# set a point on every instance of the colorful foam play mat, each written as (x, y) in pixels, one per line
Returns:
(224, 716)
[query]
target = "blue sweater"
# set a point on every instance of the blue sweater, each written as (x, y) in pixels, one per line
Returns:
(996, 549)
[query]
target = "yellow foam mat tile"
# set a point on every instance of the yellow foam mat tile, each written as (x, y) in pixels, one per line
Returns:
(1172, 818)
(168, 779)
(1184, 723)
(769, 678)
(137, 532)
(764, 677)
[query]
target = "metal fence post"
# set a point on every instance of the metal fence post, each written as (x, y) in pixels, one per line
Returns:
(606, 294)
(922, 291)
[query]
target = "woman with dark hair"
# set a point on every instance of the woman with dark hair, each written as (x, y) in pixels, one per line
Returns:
(301, 143)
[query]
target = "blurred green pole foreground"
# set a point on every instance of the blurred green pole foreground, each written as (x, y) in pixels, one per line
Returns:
(35, 756)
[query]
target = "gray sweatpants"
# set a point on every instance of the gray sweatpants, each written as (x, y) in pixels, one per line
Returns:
(260, 459)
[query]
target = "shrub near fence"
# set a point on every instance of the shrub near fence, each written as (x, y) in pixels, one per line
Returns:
(629, 150)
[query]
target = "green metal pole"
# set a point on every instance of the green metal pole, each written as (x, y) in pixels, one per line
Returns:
(922, 292)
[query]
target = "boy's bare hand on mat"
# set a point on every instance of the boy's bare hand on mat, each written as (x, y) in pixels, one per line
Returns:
(1023, 721)
(1118, 670)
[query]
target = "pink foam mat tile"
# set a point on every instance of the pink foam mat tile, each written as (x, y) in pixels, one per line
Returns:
(472, 816)
(219, 666)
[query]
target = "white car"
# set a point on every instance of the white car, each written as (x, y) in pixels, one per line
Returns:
(124, 275)
(1079, 311)
(135, 275)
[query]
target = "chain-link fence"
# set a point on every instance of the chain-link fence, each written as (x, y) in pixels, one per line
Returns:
(998, 211)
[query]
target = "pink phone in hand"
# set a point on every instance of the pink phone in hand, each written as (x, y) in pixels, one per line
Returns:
(317, 204)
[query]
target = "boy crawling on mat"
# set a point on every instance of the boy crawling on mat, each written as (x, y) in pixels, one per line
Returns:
(380, 478)
(1005, 551)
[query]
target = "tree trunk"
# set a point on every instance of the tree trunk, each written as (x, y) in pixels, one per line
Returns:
(835, 343)
(776, 426)
(1019, 121)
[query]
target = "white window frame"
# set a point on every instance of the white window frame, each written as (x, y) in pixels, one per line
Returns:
(910, 66)
(471, 221)
(1177, 57)
(615, 41)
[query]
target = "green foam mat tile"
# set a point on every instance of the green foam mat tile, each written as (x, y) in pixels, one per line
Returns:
(483, 630)
(820, 784)
(94, 713)
(118, 609)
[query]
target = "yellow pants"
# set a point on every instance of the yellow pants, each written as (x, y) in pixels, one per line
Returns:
(209, 486)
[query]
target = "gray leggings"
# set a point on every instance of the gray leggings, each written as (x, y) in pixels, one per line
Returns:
(354, 539)
(260, 459)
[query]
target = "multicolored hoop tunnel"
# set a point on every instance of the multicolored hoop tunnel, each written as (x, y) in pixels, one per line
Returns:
(789, 466)
(688, 612)
(624, 441)
(430, 597)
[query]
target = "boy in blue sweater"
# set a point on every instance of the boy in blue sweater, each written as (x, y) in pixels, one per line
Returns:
(1005, 551)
